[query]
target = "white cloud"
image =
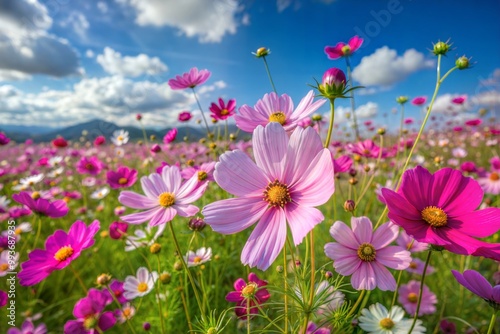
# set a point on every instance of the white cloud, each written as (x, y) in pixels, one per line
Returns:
(78, 22)
(487, 99)
(113, 63)
(89, 53)
(103, 7)
(210, 21)
(443, 104)
(384, 67)
(114, 98)
(367, 110)
(12, 75)
(27, 48)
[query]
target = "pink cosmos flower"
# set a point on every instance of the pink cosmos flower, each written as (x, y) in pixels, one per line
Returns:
(222, 111)
(170, 136)
(4, 140)
(495, 163)
(165, 197)
(477, 284)
(342, 164)
(92, 166)
(417, 267)
(473, 122)
(440, 208)
(459, 99)
(42, 206)
(366, 148)
(185, 116)
(118, 230)
(274, 108)
(312, 328)
(289, 178)
(117, 289)
(4, 298)
(204, 172)
(364, 253)
(419, 100)
(90, 314)
(408, 243)
(408, 297)
(28, 328)
(490, 183)
(124, 177)
(61, 249)
(249, 294)
(342, 49)
(99, 140)
(190, 79)
(199, 257)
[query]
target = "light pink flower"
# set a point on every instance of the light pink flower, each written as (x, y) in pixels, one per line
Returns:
(364, 253)
(279, 109)
(490, 183)
(165, 197)
(408, 297)
(289, 178)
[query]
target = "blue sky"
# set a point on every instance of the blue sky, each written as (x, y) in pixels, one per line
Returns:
(63, 62)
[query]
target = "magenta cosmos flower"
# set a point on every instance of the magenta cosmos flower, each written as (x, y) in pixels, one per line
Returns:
(459, 99)
(289, 178)
(165, 197)
(477, 284)
(92, 166)
(366, 148)
(222, 110)
(41, 205)
(408, 297)
(419, 100)
(124, 177)
(190, 79)
(185, 116)
(364, 253)
(279, 109)
(474, 122)
(90, 314)
(440, 208)
(342, 49)
(248, 295)
(170, 136)
(28, 328)
(61, 249)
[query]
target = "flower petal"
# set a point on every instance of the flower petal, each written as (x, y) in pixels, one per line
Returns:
(136, 201)
(384, 235)
(301, 220)
(362, 228)
(344, 235)
(269, 148)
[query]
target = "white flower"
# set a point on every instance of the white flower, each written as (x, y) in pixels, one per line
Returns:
(89, 181)
(139, 285)
(143, 238)
(4, 204)
(56, 172)
(120, 152)
(100, 193)
(55, 161)
(378, 320)
(201, 256)
(28, 182)
(120, 137)
(125, 313)
(5, 266)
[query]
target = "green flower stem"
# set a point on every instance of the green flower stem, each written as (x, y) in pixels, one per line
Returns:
(286, 288)
(415, 317)
(248, 316)
(38, 231)
(354, 119)
(184, 303)
(367, 186)
(158, 289)
(120, 308)
(355, 306)
(144, 133)
(492, 322)
(202, 114)
(191, 279)
(269, 74)
(78, 278)
(330, 127)
(399, 279)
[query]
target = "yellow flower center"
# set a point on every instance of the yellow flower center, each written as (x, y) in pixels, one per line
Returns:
(18, 231)
(434, 216)
(494, 176)
(202, 175)
(89, 323)
(413, 265)
(89, 166)
(35, 195)
(166, 199)
(119, 138)
(346, 49)
(142, 287)
(127, 313)
(224, 112)
(412, 297)
(366, 252)
(277, 194)
(4, 266)
(197, 259)
(122, 180)
(386, 323)
(249, 290)
(63, 253)
(278, 117)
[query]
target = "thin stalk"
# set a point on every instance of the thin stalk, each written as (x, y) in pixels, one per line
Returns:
(360, 298)
(78, 278)
(286, 288)
(492, 322)
(420, 292)
(191, 279)
(184, 304)
(354, 119)
(269, 75)
(248, 316)
(39, 229)
(158, 288)
(127, 320)
(202, 114)
(330, 127)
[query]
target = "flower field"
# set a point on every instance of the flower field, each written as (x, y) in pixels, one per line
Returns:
(291, 224)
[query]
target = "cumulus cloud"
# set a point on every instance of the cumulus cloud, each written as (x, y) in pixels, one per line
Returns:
(12, 75)
(78, 22)
(115, 98)
(444, 105)
(210, 21)
(344, 114)
(27, 48)
(384, 67)
(113, 63)
(487, 99)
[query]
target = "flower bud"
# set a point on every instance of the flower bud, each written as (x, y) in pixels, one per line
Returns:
(261, 52)
(381, 131)
(196, 224)
(353, 181)
(155, 248)
(402, 99)
(279, 269)
(441, 48)
(328, 274)
(349, 205)
(117, 230)
(103, 279)
(165, 278)
(317, 117)
(462, 63)
(138, 117)
(146, 326)
(152, 137)
(155, 148)
(177, 266)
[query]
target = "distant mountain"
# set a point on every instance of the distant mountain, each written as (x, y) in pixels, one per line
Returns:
(93, 129)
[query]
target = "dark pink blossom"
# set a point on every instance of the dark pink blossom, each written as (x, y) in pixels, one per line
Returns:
(342, 49)
(222, 110)
(123, 177)
(170, 136)
(248, 295)
(92, 166)
(419, 100)
(41, 205)
(190, 79)
(185, 116)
